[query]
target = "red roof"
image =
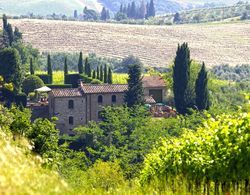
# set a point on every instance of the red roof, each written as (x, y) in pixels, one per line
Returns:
(103, 88)
(153, 81)
(66, 92)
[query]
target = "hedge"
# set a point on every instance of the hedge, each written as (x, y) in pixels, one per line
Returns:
(63, 86)
(47, 79)
(72, 79)
(85, 78)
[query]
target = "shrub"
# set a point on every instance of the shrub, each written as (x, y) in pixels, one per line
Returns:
(47, 79)
(21, 99)
(96, 81)
(105, 175)
(31, 83)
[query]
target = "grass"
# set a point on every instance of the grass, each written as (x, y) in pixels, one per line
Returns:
(214, 44)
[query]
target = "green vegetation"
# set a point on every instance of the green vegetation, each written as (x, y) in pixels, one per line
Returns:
(240, 11)
(238, 73)
(31, 83)
(134, 95)
(210, 157)
(201, 89)
(181, 78)
(128, 151)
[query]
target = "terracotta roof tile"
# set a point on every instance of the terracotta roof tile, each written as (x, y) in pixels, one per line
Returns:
(103, 88)
(66, 92)
(153, 81)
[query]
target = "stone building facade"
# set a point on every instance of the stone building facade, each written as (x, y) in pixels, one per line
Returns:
(75, 107)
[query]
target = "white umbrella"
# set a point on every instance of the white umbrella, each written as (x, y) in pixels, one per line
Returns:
(43, 89)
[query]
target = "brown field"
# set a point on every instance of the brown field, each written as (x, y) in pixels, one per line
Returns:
(154, 45)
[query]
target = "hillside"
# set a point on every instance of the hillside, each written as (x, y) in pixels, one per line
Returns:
(44, 7)
(207, 14)
(155, 45)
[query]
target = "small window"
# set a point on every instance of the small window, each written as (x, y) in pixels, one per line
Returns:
(71, 104)
(100, 99)
(113, 98)
(71, 120)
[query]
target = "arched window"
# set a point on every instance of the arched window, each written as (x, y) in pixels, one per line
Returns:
(113, 98)
(100, 99)
(71, 104)
(71, 120)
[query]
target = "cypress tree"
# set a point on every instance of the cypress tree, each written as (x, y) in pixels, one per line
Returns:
(17, 34)
(201, 89)
(5, 22)
(107, 15)
(49, 68)
(103, 14)
(94, 74)
(133, 10)
(129, 10)
(151, 9)
(124, 9)
(66, 71)
(110, 76)
(181, 77)
(101, 73)
(10, 67)
(75, 14)
(121, 8)
(80, 64)
(10, 34)
(87, 67)
(134, 95)
(142, 10)
(65, 68)
(98, 73)
(105, 76)
(32, 72)
(147, 11)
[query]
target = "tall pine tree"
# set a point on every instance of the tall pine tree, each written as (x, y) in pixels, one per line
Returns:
(10, 34)
(181, 76)
(65, 68)
(94, 74)
(151, 9)
(101, 73)
(201, 89)
(105, 76)
(87, 67)
(5, 22)
(104, 14)
(110, 76)
(142, 10)
(32, 72)
(133, 10)
(49, 69)
(134, 96)
(98, 73)
(80, 64)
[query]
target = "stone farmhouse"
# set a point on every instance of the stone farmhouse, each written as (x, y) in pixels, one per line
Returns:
(78, 106)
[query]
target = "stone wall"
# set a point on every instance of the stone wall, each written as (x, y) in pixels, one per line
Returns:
(61, 110)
